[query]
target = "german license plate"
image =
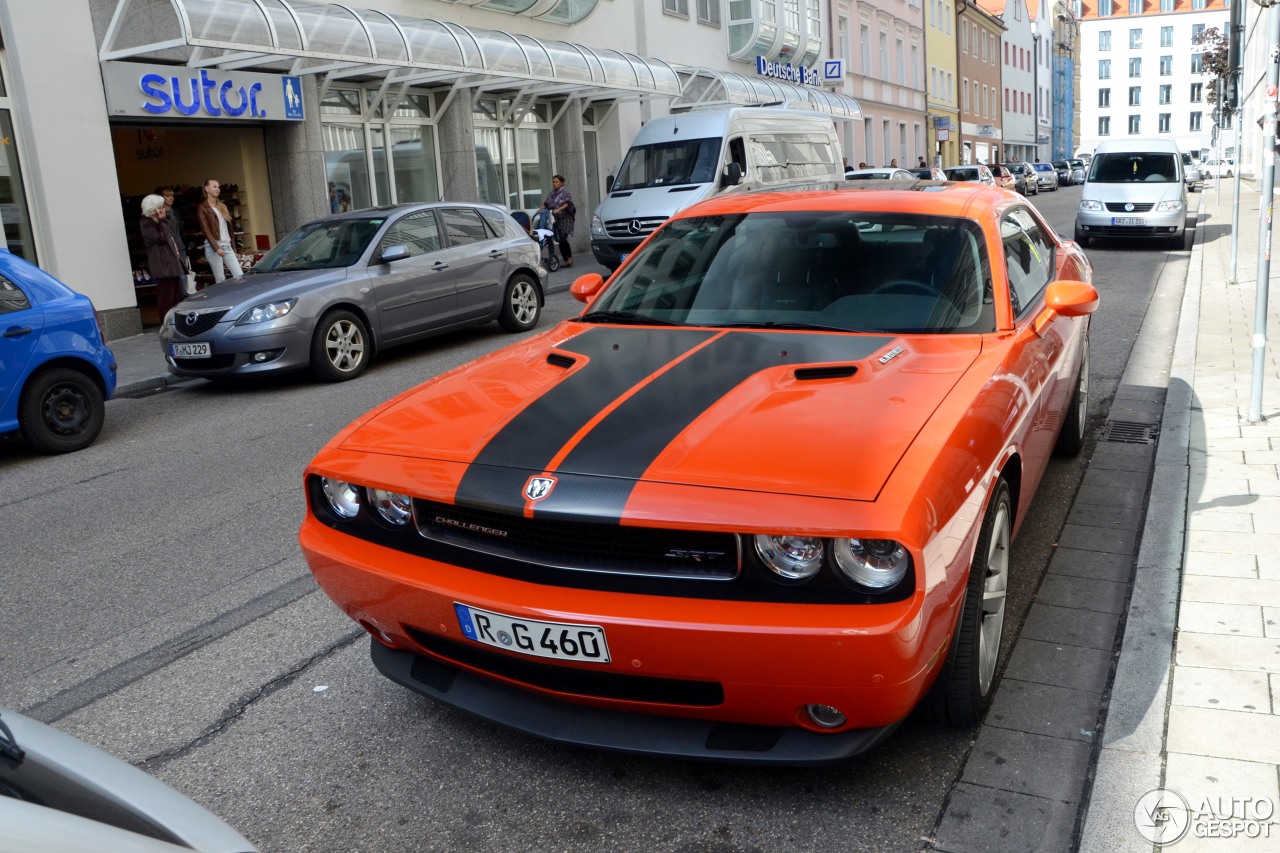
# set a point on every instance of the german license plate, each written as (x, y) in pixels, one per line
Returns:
(190, 350)
(556, 640)
(1128, 220)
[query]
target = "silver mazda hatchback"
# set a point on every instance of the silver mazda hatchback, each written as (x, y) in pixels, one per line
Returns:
(336, 291)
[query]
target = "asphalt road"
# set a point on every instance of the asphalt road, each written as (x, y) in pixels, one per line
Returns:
(155, 603)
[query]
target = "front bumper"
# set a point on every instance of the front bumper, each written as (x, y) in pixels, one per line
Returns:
(1153, 224)
(683, 674)
(235, 351)
(610, 252)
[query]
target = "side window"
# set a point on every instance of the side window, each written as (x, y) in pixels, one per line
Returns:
(418, 231)
(496, 220)
(738, 153)
(11, 297)
(463, 226)
(1028, 258)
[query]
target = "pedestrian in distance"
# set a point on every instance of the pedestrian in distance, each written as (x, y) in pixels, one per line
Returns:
(560, 203)
(215, 222)
(163, 258)
(922, 164)
(174, 220)
(893, 164)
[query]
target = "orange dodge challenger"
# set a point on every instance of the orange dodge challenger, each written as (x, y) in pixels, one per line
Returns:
(754, 504)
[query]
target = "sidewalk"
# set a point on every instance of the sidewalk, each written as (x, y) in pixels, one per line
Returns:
(1195, 705)
(140, 361)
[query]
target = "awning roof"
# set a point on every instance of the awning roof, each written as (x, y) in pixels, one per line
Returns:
(340, 41)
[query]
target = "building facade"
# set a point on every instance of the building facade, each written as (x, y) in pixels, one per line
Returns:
(1066, 80)
(1142, 71)
(981, 104)
(941, 52)
(300, 109)
(1017, 78)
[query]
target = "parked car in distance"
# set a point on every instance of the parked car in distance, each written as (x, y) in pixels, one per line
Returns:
(888, 174)
(60, 794)
(1046, 176)
(1215, 167)
(1078, 169)
(1134, 189)
(338, 290)
(657, 539)
(1063, 170)
(1191, 172)
(1028, 182)
(932, 173)
(977, 173)
(56, 370)
(1005, 178)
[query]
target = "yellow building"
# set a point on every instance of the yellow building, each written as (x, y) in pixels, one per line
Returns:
(942, 82)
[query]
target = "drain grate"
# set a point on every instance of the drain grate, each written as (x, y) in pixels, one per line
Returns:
(1128, 432)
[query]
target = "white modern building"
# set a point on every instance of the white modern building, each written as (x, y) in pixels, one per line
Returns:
(1141, 72)
(301, 106)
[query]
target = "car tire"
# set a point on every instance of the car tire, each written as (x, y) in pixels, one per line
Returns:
(1071, 438)
(967, 681)
(1230, 174)
(61, 411)
(339, 347)
(521, 304)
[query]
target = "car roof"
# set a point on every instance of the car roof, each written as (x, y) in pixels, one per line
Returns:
(937, 198)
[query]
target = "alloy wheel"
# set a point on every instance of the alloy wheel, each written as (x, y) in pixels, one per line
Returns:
(993, 598)
(524, 302)
(344, 346)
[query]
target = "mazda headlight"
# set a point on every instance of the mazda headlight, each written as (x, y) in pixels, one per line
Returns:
(872, 563)
(1090, 204)
(1169, 206)
(597, 227)
(343, 497)
(795, 558)
(267, 311)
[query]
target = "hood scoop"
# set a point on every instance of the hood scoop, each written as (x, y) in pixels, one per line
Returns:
(559, 359)
(830, 371)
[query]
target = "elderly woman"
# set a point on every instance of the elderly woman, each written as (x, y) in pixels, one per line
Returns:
(163, 258)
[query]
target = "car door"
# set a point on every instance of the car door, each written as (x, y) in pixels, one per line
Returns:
(416, 293)
(21, 324)
(1039, 354)
(479, 259)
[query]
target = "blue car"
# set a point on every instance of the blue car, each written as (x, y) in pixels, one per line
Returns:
(56, 372)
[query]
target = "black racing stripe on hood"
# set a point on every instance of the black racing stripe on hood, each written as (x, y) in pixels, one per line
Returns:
(618, 360)
(623, 445)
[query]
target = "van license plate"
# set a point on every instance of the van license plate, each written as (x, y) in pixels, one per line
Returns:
(1128, 220)
(190, 350)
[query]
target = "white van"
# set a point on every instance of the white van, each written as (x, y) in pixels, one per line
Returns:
(1134, 188)
(683, 158)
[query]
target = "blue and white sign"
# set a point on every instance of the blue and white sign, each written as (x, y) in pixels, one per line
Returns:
(788, 72)
(832, 70)
(175, 91)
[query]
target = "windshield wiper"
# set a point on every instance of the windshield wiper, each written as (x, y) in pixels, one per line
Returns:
(789, 327)
(627, 317)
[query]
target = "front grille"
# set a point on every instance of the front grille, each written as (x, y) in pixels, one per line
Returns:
(1123, 206)
(217, 362)
(583, 546)
(1127, 231)
(564, 679)
(192, 323)
(642, 227)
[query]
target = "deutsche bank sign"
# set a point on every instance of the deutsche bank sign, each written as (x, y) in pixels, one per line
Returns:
(788, 72)
(175, 91)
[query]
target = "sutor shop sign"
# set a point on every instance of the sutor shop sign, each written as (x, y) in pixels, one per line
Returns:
(787, 71)
(178, 92)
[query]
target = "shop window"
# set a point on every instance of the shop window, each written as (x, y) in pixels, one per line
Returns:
(413, 156)
(13, 197)
(341, 102)
(346, 162)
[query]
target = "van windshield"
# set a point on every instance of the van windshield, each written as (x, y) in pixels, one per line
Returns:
(1131, 167)
(666, 164)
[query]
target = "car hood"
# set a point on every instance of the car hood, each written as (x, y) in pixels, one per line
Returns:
(604, 407)
(651, 202)
(263, 287)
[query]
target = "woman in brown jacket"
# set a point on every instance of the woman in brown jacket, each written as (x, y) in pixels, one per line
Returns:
(215, 222)
(163, 259)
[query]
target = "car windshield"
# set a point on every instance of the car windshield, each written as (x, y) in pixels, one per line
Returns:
(1130, 167)
(666, 164)
(962, 174)
(841, 271)
(1043, 167)
(328, 244)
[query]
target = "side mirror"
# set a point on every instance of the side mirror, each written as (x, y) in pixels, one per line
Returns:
(732, 175)
(1066, 298)
(608, 184)
(394, 253)
(586, 287)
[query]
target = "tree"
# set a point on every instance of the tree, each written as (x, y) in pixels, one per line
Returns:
(1216, 68)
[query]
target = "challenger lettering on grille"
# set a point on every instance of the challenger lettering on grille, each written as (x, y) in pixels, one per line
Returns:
(463, 525)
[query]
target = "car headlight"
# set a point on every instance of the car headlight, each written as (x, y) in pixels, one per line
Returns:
(871, 563)
(795, 558)
(597, 227)
(1090, 204)
(394, 507)
(266, 311)
(1169, 206)
(344, 498)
